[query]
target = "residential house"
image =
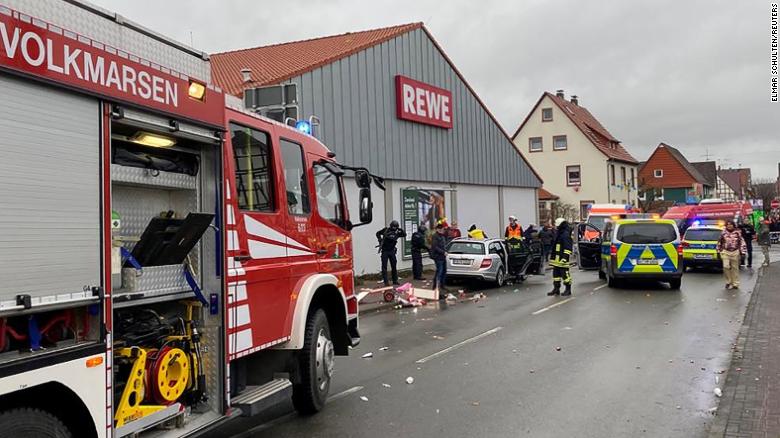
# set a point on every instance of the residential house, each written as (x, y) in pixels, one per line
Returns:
(733, 184)
(667, 175)
(546, 202)
(578, 158)
(709, 170)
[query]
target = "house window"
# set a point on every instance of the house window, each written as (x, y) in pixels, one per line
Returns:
(658, 173)
(585, 209)
(573, 176)
(547, 114)
(559, 143)
(612, 174)
(623, 175)
(535, 144)
(633, 184)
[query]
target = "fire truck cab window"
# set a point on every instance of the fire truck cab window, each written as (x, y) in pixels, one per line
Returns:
(329, 202)
(295, 180)
(254, 177)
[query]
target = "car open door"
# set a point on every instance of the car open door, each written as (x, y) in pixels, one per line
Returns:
(588, 246)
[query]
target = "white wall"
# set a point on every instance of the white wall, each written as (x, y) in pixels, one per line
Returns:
(522, 203)
(478, 205)
(363, 238)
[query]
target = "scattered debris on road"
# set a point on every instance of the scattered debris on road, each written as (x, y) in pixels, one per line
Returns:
(718, 392)
(475, 403)
(386, 385)
(368, 356)
(384, 348)
(557, 348)
(409, 380)
(364, 398)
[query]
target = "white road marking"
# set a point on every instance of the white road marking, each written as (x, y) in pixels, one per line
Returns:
(600, 287)
(459, 344)
(345, 393)
(552, 306)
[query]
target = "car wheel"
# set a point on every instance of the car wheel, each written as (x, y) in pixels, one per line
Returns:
(612, 281)
(675, 283)
(26, 422)
(500, 277)
(316, 361)
(602, 274)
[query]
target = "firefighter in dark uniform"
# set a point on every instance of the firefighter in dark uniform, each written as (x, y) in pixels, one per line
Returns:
(388, 238)
(562, 248)
(418, 247)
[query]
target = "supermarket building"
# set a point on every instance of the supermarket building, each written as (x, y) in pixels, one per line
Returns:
(391, 100)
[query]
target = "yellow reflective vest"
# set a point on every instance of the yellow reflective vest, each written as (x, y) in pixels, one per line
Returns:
(477, 234)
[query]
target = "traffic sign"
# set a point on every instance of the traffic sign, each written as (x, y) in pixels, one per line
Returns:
(775, 204)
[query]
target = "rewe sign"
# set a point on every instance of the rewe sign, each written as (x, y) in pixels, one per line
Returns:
(423, 103)
(37, 48)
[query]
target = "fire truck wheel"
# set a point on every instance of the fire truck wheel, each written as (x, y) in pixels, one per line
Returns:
(32, 422)
(316, 362)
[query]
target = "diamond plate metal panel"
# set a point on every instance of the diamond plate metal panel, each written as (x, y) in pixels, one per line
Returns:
(154, 280)
(138, 205)
(117, 31)
(213, 361)
(145, 177)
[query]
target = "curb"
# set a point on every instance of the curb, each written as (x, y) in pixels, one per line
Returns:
(717, 428)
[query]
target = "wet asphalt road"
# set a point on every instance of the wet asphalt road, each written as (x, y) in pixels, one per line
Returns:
(640, 361)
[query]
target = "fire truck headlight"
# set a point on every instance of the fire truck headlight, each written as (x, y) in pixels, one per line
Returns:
(154, 140)
(197, 90)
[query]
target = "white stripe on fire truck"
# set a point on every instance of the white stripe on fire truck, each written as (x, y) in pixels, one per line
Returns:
(231, 215)
(241, 318)
(241, 341)
(232, 237)
(259, 229)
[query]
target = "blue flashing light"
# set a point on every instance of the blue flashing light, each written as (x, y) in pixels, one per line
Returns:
(696, 223)
(303, 126)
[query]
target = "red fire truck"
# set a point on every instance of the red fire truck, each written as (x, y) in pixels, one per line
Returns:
(709, 212)
(167, 261)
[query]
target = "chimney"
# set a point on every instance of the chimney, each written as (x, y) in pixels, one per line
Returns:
(246, 73)
(574, 99)
(559, 93)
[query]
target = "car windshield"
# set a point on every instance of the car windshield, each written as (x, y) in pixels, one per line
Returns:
(646, 233)
(703, 235)
(598, 222)
(475, 248)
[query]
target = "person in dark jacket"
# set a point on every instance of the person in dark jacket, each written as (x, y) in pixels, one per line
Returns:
(438, 253)
(418, 247)
(388, 239)
(547, 236)
(748, 233)
(562, 248)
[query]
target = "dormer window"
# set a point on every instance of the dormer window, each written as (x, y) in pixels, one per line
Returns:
(547, 115)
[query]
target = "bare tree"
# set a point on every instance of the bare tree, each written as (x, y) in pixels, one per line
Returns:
(764, 189)
(651, 204)
(565, 210)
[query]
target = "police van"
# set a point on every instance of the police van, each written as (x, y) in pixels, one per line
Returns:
(642, 249)
(699, 245)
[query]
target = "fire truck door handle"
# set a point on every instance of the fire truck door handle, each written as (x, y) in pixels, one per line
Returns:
(241, 258)
(322, 251)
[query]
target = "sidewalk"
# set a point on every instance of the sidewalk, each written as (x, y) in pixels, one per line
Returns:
(750, 406)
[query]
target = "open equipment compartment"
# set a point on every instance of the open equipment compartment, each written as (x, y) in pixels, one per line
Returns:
(166, 275)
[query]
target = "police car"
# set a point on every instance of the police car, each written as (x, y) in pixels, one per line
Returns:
(700, 244)
(642, 249)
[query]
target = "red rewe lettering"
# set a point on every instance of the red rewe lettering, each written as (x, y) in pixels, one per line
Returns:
(423, 103)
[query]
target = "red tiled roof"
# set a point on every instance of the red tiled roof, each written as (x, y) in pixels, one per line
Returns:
(736, 179)
(544, 195)
(593, 130)
(279, 62)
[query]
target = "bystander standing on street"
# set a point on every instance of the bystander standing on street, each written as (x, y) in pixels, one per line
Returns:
(748, 233)
(418, 247)
(438, 253)
(388, 239)
(764, 240)
(453, 232)
(547, 236)
(731, 246)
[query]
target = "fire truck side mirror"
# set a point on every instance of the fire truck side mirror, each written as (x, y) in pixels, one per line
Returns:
(366, 206)
(362, 179)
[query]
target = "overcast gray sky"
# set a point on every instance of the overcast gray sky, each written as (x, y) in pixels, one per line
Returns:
(693, 74)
